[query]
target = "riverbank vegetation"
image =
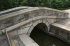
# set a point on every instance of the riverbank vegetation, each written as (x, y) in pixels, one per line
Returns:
(57, 4)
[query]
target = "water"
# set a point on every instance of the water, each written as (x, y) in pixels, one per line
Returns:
(44, 39)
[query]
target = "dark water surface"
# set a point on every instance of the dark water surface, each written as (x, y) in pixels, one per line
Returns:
(44, 39)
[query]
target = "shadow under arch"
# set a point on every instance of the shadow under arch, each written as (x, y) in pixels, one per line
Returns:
(39, 27)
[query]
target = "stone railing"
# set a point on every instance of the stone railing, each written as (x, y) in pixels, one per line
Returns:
(9, 19)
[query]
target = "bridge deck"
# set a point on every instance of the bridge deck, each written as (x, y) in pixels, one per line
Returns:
(64, 24)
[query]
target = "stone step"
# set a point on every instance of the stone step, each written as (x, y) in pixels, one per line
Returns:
(27, 40)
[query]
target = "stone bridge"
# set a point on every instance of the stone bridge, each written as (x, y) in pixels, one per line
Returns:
(17, 24)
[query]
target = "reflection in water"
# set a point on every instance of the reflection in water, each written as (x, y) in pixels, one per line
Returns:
(44, 39)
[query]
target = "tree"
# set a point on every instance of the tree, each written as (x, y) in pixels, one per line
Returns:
(6, 4)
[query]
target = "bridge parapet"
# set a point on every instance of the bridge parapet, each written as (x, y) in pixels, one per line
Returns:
(9, 19)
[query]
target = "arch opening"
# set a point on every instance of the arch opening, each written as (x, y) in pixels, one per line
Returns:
(43, 39)
(41, 27)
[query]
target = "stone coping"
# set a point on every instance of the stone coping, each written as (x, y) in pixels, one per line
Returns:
(27, 10)
(13, 10)
(61, 26)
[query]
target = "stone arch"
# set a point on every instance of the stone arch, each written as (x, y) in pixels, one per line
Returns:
(38, 22)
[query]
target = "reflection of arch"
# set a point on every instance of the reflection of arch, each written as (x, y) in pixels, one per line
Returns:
(45, 22)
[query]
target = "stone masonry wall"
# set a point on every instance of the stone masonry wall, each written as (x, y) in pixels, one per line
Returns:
(13, 18)
(60, 33)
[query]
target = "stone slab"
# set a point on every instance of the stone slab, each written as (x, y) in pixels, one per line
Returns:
(27, 40)
(64, 24)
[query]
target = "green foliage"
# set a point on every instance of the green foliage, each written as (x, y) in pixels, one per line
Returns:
(57, 4)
